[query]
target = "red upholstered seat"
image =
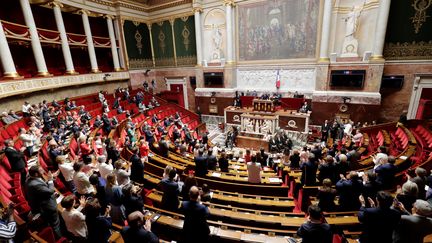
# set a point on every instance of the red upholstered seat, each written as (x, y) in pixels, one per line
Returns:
(47, 234)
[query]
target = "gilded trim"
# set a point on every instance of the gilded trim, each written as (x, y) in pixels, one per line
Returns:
(408, 50)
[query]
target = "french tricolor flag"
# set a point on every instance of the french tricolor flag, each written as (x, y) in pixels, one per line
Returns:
(278, 83)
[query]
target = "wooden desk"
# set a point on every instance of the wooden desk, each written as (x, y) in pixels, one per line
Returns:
(252, 143)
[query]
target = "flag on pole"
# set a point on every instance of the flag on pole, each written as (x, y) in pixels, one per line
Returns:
(278, 83)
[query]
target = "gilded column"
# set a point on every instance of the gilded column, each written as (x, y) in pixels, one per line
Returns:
(35, 42)
(70, 69)
(6, 59)
(325, 31)
(90, 44)
(198, 35)
(113, 41)
(229, 30)
(151, 44)
(380, 31)
(174, 41)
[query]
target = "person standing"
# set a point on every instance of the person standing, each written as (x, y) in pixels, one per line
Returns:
(171, 192)
(315, 229)
(16, 159)
(325, 129)
(195, 227)
(138, 229)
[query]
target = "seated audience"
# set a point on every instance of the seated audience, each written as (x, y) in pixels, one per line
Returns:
(8, 226)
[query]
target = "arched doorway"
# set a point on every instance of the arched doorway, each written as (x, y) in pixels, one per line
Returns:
(421, 98)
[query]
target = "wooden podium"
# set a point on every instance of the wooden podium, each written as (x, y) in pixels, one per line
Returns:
(263, 105)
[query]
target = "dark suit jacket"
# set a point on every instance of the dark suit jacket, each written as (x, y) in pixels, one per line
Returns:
(40, 196)
(211, 162)
(137, 169)
(349, 192)
(201, 166)
(378, 224)
(163, 148)
(195, 228)
(16, 159)
(385, 175)
(132, 235)
(171, 192)
(223, 164)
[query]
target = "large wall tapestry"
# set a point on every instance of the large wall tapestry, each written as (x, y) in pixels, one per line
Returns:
(184, 30)
(409, 35)
(163, 43)
(278, 29)
(137, 37)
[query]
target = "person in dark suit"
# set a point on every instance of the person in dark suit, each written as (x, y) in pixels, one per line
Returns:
(349, 190)
(315, 229)
(201, 166)
(195, 227)
(386, 173)
(308, 168)
(149, 136)
(211, 160)
(40, 195)
(164, 147)
(378, 222)
(16, 159)
(171, 191)
(137, 167)
(325, 129)
(176, 134)
(223, 162)
(106, 124)
(327, 169)
(138, 229)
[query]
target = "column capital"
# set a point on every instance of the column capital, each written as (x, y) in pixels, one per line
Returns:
(229, 3)
(107, 16)
(55, 3)
(83, 11)
(197, 10)
(149, 26)
(171, 20)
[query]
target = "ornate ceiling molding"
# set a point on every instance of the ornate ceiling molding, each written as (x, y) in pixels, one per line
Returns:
(140, 6)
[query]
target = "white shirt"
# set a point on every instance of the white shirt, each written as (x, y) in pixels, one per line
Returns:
(122, 177)
(67, 171)
(348, 129)
(105, 169)
(26, 108)
(254, 172)
(27, 139)
(75, 222)
(82, 183)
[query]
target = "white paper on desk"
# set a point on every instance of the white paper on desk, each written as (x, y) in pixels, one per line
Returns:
(403, 157)
(236, 167)
(274, 180)
(215, 174)
(241, 160)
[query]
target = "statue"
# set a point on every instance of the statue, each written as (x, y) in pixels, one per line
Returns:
(350, 44)
(248, 125)
(217, 42)
(266, 127)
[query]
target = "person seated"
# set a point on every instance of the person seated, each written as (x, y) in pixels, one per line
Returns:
(378, 221)
(315, 229)
(7, 119)
(155, 119)
(254, 171)
(305, 108)
(138, 229)
(74, 219)
(15, 116)
(8, 226)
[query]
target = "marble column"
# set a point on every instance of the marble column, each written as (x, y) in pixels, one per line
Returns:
(380, 31)
(113, 41)
(229, 31)
(325, 31)
(6, 59)
(90, 44)
(35, 42)
(118, 31)
(70, 69)
(198, 35)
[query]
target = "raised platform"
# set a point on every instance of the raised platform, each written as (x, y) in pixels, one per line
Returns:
(287, 119)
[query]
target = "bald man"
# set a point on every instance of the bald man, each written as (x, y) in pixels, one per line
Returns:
(195, 228)
(138, 229)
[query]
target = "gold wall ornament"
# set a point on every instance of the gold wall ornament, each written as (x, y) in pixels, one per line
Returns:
(162, 44)
(184, 18)
(138, 39)
(420, 6)
(408, 51)
(186, 34)
(136, 23)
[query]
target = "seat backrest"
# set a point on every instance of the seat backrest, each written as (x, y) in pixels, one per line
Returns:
(47, 234)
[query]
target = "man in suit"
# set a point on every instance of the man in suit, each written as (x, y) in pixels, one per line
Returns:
(201, 166)
(138, 229)
(41, 197)
(211, 160)
(378, 222)
(325, 129)
(414, 227)
(195, 227)
(171, 190)
(164, 147)
(106, 123)
(386, 172)
(149, 136)
(137, 167)
(16, 159)
(349, 189)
